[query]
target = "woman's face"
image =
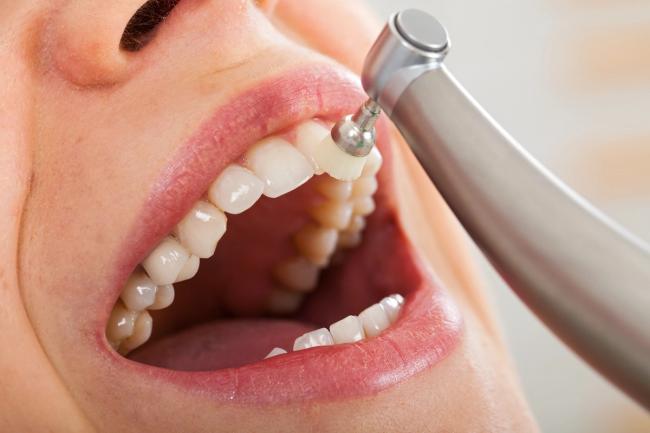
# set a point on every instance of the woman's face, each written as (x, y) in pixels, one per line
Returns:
(121, 163)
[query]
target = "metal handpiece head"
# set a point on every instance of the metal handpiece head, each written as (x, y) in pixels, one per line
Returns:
(355, 134)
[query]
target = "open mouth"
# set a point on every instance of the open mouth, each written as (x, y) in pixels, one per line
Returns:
(278, 271)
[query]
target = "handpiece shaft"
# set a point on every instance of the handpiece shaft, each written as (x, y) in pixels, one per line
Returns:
(583, 275)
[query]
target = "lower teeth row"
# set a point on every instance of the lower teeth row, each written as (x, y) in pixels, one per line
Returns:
(369, 323)
(273, 168)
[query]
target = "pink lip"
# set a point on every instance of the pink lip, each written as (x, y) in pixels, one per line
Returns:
(429, 326)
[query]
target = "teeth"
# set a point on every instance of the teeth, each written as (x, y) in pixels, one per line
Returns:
(349, 239)
(364, 187)
(280, 165)
(392, 305)
(164, 297)
(283, 302)
(348, 330)
(201, 229)
(274, 167)
(139, 292)
(120, 323)
(189, 270)
(165, 262)
(364, 206)
(319, 337)
(334, 189)
(275, 352)
(316, 243)
(309, 135)
(297, 274)
(236, 189)
(373, 164)
(374, 320)
(336, 162)
(333, 214)
(357, 223)
(141, 333)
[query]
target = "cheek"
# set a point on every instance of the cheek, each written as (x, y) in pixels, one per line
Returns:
(341, 29)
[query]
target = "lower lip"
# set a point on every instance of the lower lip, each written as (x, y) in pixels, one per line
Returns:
(427, 331)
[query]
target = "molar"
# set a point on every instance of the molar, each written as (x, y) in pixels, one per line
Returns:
(201, 229)
(297, 274)
(165, 262)
(316, 243)
(280, 165)
(332, 214)
(334, 189)
(319, 337)
(282, 301)
(236, 189)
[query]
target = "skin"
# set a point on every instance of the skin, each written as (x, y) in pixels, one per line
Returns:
(77, 113)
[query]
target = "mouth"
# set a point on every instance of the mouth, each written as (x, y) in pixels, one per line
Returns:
(259, 279)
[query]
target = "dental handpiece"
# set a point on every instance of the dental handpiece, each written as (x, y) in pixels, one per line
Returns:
(582, 274)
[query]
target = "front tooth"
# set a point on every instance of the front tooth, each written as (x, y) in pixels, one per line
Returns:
(280, 165)
(139, 292)
(392, 307)
(336, 162)
(364, 206)
(319, 337)
(334, 189)
(364, 187)
(347, 330)
(201, 229)
(373, 164)
(333, 214)
(164, 297)
(283, 301)
(140, 335)
(120, 323)
(374, 320)
(308, 137)
(275, 352)
(236, 189)
(166, 261)
(189, 270)
(297, 274)
(316, 243)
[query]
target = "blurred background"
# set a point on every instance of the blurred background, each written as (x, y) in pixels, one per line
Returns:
(570, 79)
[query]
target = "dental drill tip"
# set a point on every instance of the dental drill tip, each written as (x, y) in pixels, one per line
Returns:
(343, 154)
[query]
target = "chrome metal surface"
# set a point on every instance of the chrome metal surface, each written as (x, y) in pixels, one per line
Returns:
(422, 30)
(355, 134)
(582, 274)
(393, 62)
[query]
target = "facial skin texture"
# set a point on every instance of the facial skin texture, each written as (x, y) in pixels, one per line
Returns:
(86, 125)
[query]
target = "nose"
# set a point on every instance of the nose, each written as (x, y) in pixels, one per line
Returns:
(85, 37)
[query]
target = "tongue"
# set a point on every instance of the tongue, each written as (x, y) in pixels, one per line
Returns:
(221, 344)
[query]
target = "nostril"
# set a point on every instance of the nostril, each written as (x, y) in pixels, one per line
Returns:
(142, 26)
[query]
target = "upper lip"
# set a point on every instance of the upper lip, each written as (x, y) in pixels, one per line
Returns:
(429, 327)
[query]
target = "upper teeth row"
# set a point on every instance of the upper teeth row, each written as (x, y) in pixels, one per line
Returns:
(272, 167)
(369, 323)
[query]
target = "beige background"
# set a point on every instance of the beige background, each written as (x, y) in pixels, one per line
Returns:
(571, 81)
